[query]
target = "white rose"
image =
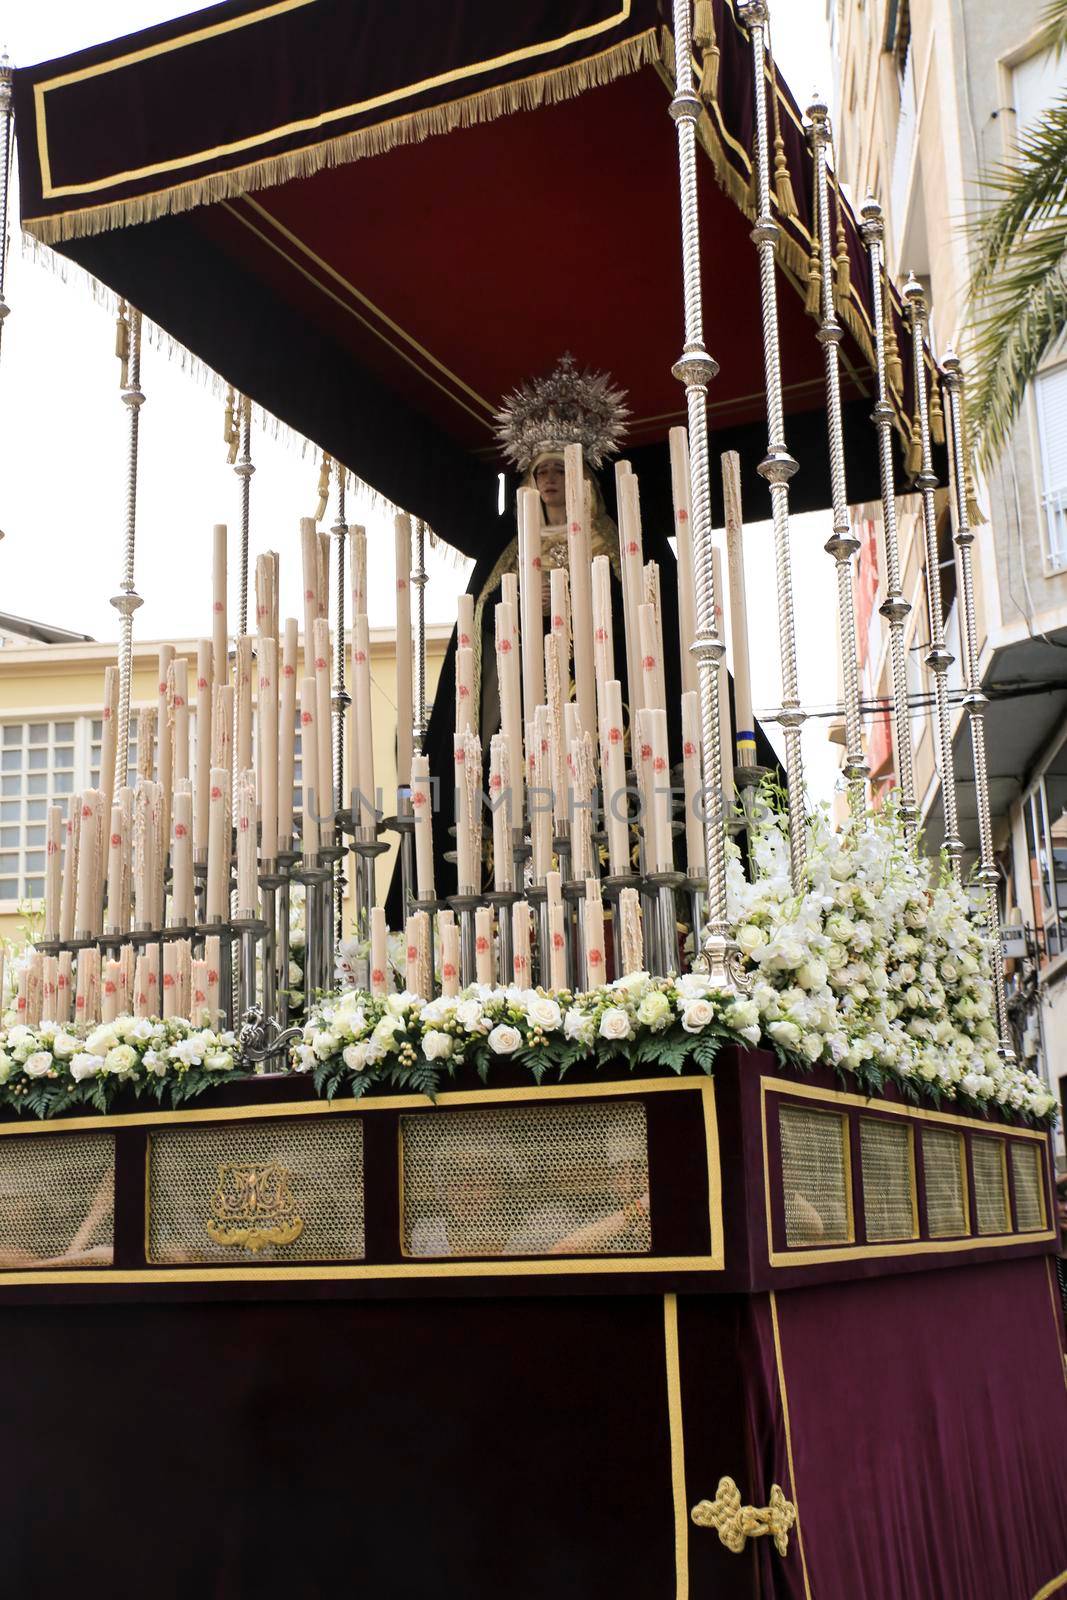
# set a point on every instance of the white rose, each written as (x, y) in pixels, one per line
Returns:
(6, 1066)
(436, 1046)
(64, 1045)
(615, 1024)
(355, 1056)
(632, 983)
(697, 1015)
(38, 1064)
(741, 1014)
(102, 1039)
(120, 1058)
(504, 1039)
(470, 1016)
(578, 1025)
(654, 1010)
(692, 986)
(784, 1033)
(750, 938)
(544, 1013)
(811, 1046)
(324, 1044)
(85, 1065)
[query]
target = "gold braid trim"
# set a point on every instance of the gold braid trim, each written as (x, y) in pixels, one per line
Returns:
(736, 1523)
(525, 94)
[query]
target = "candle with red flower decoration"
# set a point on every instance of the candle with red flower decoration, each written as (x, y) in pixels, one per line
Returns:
(53, 871)
(109, 991)
(287, 734)
(267, 748)
(179, 702)
(213, 956)
(500, 794)
(557, 939)
(109, 734)
(170, 980)
(87, 913)
(631, 940)
(579, 548)
(405, 705)
(420, 803)
(449, 958)
(357, 544)
(593, 916)
(520, 943)
(508, 683)
(181, 858)
(726, 739)
(483, 945)
(363, 743)
(219, 632)
(205, 679)
(530, 601)
(632, 564)
(691, 778)
(218, 845)
(379, 952)
(247, 881)
(613, 777)
(683, 532)
(198, 1012)
(309, 781)
(323, 727)
(309, 567)
(464, 690)
(243, 674)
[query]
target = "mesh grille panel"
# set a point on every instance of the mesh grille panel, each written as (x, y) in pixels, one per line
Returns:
(888, 1188)
(290, 1190)
(946, 1198)
(814, 1176)
(990, 1193)
(1029, 1197)
(57, 1200)
(527, 1182)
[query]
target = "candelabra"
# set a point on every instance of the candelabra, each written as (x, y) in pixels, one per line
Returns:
(895, 607)
(695, 369)
(778, 466)
(341, 702)
(128, 600)
(6, 120)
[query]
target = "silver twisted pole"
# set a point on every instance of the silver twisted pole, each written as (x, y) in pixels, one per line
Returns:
(938, 659)
(128, 600)
(719, 956)
(419, 580)
(974, 700)
(6, 118)
(841, 545)
(895, 607)
(778, 466)
(341, 698)
(244, 470)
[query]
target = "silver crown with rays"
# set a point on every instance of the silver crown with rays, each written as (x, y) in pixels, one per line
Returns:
(567, 407)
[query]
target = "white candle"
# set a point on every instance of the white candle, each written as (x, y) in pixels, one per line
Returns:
(247, 882)
(559, 609)
(287, 735)
(181, 859)
(185, 977)
(423, 955)
(613, 777)
(379, 952)
(33, 989)
(469, 814)
(309, 780)
(49, 988)
(726, 741)
(508, 677)
(520, 943)
(509, 590)
(146, 743)
(499, 788)
(483, 946)
(243, 672)
(63, 986)
(593, 914)
(683, 532)
(603, 635)
(53, 871)
(222, 726)
(267, 566)
(170, 980)
(651, 582)
(464, 690)
(735, 556)
(218, 845)
(646, 632)
(691, 775)
(465, 622)
(267, 749)
(557, 683)
(87, 913)
(631, 939)
(219, 632)
(541, 797)
(324, 728)
(70, 870)
(581, 776)
(411, 956)
(557, 939)
(449, 958)
(659, 797)
(165, 732)
(109, 734)
(109, 991)
(140, 987)
(405, 706)
(533, 665)
(579, 547)
(420, 802)
(363, 743)
(198, 1000)
(205, 688)
(357, 544)
(212, 955)
(632, 563)
(309, 562)
(126, 804)
(179, 674)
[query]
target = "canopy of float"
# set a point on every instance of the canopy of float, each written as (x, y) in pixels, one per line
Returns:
(375, 217)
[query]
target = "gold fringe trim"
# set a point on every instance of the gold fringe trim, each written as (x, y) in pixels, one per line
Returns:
(937, 416)
(708, 45)
(842, 265)
(527, 94)
(913, 455)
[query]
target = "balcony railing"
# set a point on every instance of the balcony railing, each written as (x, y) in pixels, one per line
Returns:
(1055, 504)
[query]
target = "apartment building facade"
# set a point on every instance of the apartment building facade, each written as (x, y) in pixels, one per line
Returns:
(930, 94)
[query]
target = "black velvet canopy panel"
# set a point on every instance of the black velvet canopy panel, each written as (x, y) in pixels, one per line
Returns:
(375, 217)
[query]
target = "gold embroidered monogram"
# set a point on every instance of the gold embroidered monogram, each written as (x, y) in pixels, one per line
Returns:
(734, 1523)
(253, 1206)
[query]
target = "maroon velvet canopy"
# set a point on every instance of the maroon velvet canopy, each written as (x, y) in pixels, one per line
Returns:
(376, 218)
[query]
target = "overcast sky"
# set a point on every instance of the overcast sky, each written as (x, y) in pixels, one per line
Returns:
(63, 440)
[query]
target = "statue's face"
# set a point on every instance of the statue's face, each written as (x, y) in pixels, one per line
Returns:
(550, 483)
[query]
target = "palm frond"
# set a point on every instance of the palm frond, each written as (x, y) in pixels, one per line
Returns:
(1025, 193)
(1053, 35)
(1023, 316)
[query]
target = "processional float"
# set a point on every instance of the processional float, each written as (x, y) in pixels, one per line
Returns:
(701, 1268)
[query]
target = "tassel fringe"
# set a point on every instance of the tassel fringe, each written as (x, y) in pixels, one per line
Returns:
(913, 455)
(813, 298)
(547, 88)
(704, 24)
(843, 270)
(783, 183)
(709, 74)
(937, 416)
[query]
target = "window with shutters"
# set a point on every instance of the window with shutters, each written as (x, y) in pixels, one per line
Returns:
(1050, 394)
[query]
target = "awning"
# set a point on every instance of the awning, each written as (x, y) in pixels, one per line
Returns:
(376, 218)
